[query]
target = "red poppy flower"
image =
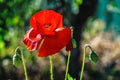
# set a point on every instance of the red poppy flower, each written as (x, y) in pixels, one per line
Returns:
(47, 26)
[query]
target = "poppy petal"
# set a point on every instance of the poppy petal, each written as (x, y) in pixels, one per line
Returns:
(53, 44)
(32, 39)
(46, 21)
(69, 46)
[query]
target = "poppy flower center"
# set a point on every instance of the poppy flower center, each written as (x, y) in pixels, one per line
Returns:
(47, 25)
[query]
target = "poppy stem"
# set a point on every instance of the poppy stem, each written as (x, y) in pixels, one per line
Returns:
(24, 65)
(84, 56)
(51, 68)
(67, 67)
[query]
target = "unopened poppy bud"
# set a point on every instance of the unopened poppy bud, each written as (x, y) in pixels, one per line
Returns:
(17, 57)
(17, 51)
(93, 57)
(17, 60)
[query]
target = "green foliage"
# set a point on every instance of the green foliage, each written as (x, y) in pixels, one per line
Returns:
(79, 2)
(1, 44)
(92, 27)
(14, 17)
(70, 77)
(75, 5)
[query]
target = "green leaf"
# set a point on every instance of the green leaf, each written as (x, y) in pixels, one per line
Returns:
(74, 43)
(70, 77)
(93, 57)
(79, 2)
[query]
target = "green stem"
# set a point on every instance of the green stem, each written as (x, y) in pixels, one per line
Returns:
(83, 63)
(67, 67)
(24, 65)
(51, 68)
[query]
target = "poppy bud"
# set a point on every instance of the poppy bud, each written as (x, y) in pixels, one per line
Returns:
(17, 58)
(93, 57)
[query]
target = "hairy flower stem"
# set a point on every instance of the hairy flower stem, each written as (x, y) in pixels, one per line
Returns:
(84, 56)
(67, 67)
(51, 68)
(24, 65)
(50, 58)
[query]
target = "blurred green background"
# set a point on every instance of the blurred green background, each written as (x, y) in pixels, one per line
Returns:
(96, 22)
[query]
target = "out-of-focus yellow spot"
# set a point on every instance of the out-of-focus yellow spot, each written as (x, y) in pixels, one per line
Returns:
(2, 44)
(16, 20)
(79, 2)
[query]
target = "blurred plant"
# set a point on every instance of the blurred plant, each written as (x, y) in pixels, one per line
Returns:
(92, 27)
(70, 78)
(75, 5)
